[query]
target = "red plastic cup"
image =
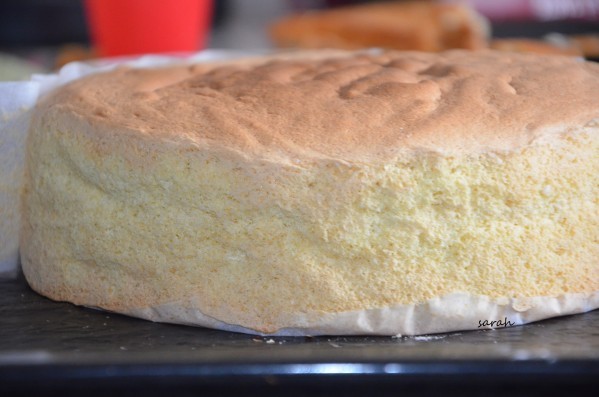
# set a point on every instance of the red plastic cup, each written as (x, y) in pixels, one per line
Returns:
(131, 27)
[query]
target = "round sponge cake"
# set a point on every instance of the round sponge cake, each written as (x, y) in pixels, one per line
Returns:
(321, 193)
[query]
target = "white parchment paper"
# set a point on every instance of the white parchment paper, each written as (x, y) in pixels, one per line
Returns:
(16, 101)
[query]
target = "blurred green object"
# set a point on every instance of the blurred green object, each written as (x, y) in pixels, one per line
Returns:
(16, 69)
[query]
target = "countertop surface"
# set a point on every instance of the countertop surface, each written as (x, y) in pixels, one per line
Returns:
(61, 348)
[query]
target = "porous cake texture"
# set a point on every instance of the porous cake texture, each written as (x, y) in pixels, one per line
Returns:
(359, 192)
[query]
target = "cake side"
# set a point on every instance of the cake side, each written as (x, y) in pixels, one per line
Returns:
(259, 244)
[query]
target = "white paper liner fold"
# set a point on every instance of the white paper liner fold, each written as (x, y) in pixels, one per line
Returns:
(453, 312)
(16, 101)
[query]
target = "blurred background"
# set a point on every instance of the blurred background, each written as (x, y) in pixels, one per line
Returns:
(43, 35)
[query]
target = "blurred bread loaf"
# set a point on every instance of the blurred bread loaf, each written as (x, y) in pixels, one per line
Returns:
(414, 25)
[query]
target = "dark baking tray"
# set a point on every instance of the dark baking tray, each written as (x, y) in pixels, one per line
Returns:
(62, 349)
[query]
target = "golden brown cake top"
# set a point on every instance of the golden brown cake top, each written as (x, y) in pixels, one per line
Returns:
(350, 106)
